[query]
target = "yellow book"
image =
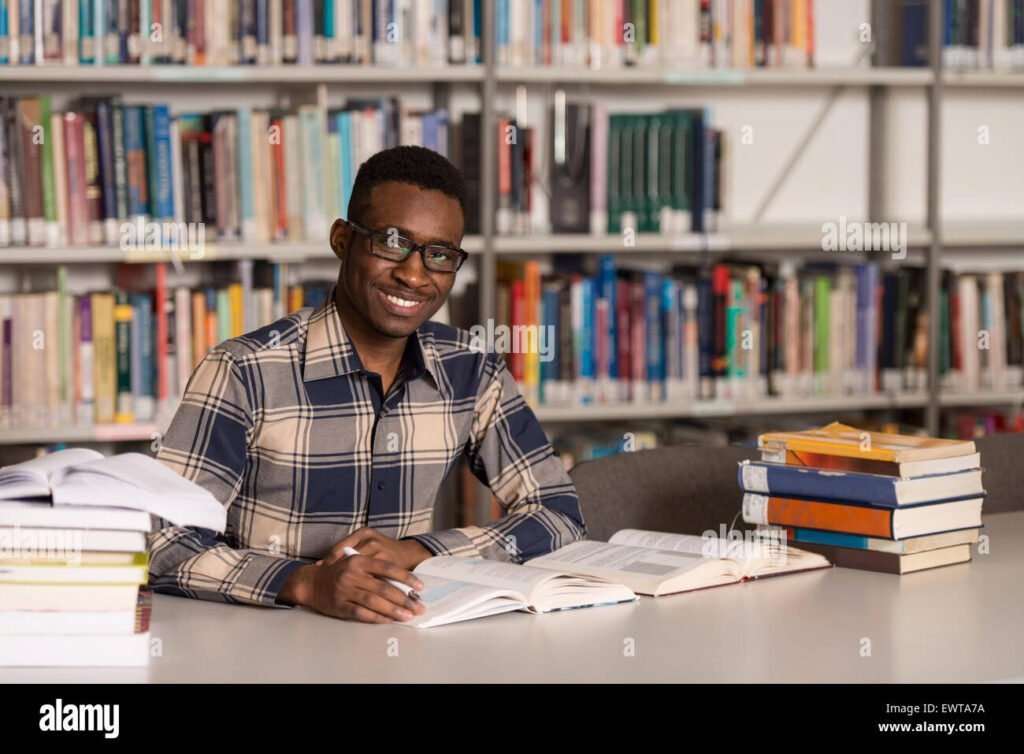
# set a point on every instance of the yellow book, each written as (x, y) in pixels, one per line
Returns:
(104, 357)
(237, 309)
(841, 440)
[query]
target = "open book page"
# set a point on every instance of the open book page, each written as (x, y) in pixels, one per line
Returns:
(449, 600)
(468, 585)
(642, 569)
(134, 480)
(493, 573)
(32, 478)
(754, 556)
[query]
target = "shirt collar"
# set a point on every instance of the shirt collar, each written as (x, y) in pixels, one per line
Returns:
(330, 353)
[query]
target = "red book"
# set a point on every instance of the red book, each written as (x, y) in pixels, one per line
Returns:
(518, 307)
(160, 305)
(78, 202)
(622, 331)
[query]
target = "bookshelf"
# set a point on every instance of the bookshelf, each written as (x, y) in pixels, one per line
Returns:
(936, 245)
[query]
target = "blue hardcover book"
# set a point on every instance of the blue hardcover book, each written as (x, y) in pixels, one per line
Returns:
(304, 31)
(329, 47)
(652, 329)
(538, 33)
(549, 323)
(158, 133)
(587, 340)
(876, 490)
(914, 45)
(608, 289)
(87, 31)
(4, 49)
(145, 388)
(245, 177)
(26, 32)
(105, 146)
(705, 327)
(134, 143)
(501, 24)
(348, 176)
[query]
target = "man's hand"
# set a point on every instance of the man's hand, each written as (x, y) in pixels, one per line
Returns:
(407, 553)
(353, 588)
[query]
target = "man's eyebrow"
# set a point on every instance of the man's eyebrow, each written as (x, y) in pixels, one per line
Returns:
(405, 232)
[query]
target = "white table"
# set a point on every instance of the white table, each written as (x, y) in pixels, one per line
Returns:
(962, 623)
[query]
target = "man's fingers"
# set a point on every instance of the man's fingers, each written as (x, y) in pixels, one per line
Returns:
(382, 605)
(387, 570)
(357, 540)
(364, 614)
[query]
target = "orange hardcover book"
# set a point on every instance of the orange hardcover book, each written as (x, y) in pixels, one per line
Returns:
(864, 520)
(199, 329)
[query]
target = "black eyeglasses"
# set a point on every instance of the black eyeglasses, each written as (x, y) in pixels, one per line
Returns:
(396, 248)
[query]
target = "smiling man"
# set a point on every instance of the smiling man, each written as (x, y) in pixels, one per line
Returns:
(335, 426)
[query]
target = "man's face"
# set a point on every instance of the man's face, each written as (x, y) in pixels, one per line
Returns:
(423, 216)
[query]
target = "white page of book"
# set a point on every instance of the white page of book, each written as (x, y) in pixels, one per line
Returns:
(450, 598)
(493, 573)
(25, 478)
(743, 551)
(133, 480)
(625, 558)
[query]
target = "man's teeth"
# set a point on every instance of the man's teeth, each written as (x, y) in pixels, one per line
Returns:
(400, 301)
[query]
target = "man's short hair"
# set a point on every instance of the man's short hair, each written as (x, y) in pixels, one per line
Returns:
(407, 164)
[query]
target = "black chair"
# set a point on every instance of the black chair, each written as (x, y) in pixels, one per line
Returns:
(1002, 457)
(678, 489)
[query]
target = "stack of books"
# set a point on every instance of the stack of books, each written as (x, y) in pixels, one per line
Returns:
(74, 557)
(869, 500)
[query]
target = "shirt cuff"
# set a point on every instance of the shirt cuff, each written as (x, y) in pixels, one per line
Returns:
(448, 542)
(276, 573)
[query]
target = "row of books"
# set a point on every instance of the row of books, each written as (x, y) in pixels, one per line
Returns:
(75, 562)
(134, 176)
(867, 500)
(968, 424)
(239, 32)
(616, 173)
(629, 334)
(125, 355)
(981, 322)
(982, 34)
(671, 33)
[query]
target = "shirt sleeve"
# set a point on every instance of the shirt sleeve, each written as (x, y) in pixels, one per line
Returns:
(207, 443)
(508, 451)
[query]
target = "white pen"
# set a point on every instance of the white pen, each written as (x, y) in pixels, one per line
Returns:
(407, 590)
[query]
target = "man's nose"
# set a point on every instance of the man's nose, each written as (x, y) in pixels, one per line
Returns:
(411, 270)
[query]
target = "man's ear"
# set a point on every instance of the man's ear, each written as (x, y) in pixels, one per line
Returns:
(340, 236)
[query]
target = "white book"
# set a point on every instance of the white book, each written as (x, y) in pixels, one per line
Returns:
(68, 597)
(99, 651)
(78, 477)
(458, 589)
(658, 563)
(81, 623)
(41, 528)
(64, 573)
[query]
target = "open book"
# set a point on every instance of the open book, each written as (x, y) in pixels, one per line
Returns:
(80, 476)
(458, 589)
(655, 563)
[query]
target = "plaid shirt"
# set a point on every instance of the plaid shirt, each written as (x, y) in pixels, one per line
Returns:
(285, 427)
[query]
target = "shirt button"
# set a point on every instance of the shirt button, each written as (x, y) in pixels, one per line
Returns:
(380, 485)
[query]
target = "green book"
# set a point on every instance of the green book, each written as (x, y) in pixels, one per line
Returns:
(614, 174)
(735, 309)
(822, 325)
(223, 315)
(124, 314)
(49, 191)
